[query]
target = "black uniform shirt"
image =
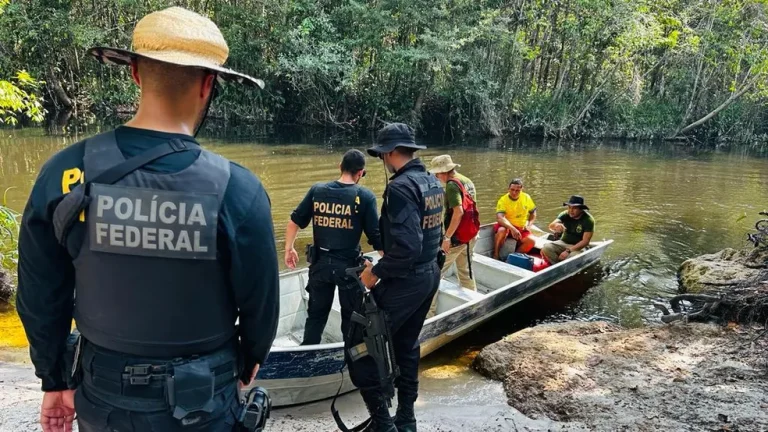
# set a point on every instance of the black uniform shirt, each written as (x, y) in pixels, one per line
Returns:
(403, 241)
(302, 215)
(46, 274)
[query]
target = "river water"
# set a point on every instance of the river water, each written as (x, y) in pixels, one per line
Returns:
(660, 203)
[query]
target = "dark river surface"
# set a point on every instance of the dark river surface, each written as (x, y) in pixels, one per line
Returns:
(660, 203)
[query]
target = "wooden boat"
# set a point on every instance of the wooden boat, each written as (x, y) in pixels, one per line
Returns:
(296, 374)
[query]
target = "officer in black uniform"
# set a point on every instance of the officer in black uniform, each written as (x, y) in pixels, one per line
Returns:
(408, 275)
(340, 211)
(161, 260)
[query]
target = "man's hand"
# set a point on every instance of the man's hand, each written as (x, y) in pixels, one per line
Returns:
(446, 245)
(58, 411)
(369, 279)
(515, 233)
(241, 385)
(558, 227)
(291, 258)
(564, 255)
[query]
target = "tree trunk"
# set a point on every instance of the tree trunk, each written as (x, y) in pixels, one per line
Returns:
(532, 64)
(692, 100)
(58, 91)
(722, 106)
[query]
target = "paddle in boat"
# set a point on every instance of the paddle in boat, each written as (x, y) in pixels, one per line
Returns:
(295, 374)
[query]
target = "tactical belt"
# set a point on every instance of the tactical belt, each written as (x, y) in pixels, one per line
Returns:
(149, 385)
(424, 267)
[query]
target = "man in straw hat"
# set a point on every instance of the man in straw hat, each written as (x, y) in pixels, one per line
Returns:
(159, 246)
(460, 228)
(406, 278)
(576, 226)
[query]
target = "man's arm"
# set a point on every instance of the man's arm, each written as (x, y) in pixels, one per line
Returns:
(45, 296)
(405, 228)
(454, 200)
(300, 218)
(371, 224)
(501, 216)
(458, 212)
(257, 293)
(556, 226)
(583, 243)
(291, 256)
(532, 217)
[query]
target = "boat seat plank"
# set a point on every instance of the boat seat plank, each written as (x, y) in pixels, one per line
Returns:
(499, 265)
(451, 295)
(453, 289)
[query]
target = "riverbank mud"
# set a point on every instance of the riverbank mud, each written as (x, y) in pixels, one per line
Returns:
(679, 377)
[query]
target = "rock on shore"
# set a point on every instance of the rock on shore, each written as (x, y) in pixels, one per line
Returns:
(678, 377)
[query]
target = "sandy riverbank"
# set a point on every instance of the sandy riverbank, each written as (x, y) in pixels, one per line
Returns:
(453, 398)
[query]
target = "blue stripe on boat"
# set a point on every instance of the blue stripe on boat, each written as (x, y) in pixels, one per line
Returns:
(302, 364)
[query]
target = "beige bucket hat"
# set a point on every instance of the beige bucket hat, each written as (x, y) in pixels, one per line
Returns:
(442, 164)
(181, 37)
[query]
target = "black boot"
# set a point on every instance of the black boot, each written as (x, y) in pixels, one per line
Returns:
(379, 409)
(407, 393)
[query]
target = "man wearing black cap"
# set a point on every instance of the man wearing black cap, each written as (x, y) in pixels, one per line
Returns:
(576, 226)
(408, 275)
(340, 211)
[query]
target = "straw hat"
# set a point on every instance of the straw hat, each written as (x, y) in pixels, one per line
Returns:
(181, 37)
(442, 164)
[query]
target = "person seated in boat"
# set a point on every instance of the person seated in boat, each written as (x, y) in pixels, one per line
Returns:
(515, 212)
(576, 227)
(340, 211)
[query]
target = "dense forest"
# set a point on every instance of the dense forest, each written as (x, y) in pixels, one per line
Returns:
(563, 68)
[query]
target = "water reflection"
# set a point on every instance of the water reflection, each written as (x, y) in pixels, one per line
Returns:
(660, 203)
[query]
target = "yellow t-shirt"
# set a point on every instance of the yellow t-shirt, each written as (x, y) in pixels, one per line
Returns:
(516, 211)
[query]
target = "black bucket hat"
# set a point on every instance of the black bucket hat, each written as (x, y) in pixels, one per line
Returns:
(576, 201)
(392, 136)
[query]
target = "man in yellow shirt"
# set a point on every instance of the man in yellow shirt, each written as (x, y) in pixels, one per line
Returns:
(515, 212)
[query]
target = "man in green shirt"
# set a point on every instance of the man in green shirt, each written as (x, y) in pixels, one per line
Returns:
(456, 252)
(576, 226)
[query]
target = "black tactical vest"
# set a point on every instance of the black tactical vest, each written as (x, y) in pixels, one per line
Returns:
(337, 223)
(148, 279)
(431, 200)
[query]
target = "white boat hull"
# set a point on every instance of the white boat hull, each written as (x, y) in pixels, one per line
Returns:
(298, 374)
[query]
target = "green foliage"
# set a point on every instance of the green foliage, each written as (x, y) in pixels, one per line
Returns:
(9, 235)
(636, 68)
(14, 99)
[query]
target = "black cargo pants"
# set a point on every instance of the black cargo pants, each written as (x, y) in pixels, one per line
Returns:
(406, 301)
(324, 276)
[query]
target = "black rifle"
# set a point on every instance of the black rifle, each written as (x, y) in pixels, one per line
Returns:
(377, 340)
(377, 343)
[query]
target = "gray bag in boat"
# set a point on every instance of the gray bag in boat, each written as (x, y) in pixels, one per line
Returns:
(377, 343)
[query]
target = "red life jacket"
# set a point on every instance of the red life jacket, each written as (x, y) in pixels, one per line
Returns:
(470, 220)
